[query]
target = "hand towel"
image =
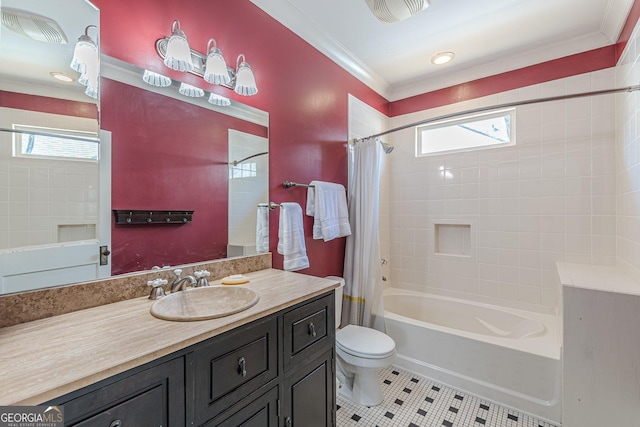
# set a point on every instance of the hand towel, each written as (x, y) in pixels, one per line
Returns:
(327, 203)
(262, 229)
(291, 237)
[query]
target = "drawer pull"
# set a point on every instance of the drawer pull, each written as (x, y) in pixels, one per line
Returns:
(115, 423)
(312, 330)
(287, 422)
(242, 367)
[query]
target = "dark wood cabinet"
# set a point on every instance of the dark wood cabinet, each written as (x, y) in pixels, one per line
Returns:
(228, 368)
(309, 394)
(152, 396)
(275, 371)
(261, 412)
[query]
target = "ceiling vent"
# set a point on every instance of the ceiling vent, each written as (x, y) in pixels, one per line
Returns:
(389, 11)
(33, 26)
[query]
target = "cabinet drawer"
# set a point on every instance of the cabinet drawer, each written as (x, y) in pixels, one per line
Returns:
(262, 412)
(233, 366)
(144, 410)
(308, 329)
(152, 397)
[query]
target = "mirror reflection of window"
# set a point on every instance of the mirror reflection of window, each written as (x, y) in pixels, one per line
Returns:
(49, 188)
(52, 143)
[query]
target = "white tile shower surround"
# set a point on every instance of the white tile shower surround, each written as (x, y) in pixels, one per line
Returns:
(549, 198)
(411, 400)
(628, 159)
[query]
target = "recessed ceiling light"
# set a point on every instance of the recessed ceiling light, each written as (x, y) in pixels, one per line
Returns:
(442, 58)
(62, 77)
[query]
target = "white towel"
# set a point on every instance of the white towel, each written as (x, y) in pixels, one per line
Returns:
(327, 204)
(262, 229)
(291, 237)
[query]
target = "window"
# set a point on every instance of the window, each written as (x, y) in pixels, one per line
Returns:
(52, 143)
(487, 130)
(244, 170)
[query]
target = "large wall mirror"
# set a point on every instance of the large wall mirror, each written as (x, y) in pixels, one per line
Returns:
(128, 147)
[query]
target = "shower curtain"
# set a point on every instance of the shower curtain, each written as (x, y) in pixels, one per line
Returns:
(362, 303)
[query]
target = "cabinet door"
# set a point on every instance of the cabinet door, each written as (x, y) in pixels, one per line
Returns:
(309, 395)
(262, 412)
(152, 397)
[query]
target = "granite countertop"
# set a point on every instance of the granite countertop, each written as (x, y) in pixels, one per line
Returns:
(47, 358)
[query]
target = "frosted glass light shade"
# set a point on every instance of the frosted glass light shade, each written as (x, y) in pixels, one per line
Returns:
(92, 91)
(245, 80)
(90, 78)
(190, 91)
(85, 52)
(178, 56)
(155, 79)
(215, 70)
(218, 100)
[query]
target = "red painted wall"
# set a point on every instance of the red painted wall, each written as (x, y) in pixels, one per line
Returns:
(572, 65)
(45, 104)
(168, 155)
(304, 92)
(629, 25)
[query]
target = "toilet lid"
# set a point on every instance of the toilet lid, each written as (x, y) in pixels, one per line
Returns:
(364, 342)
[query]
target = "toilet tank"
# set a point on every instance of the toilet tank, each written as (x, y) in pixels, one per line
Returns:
(338, 296)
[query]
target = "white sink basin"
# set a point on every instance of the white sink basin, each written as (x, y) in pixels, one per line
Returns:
(204, 303)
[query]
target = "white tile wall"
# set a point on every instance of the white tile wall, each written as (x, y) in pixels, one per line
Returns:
(36, 196)
(627, 160)
(245, 193)
(551, 197)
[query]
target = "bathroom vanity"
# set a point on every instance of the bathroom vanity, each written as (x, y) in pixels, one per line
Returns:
(116, 365)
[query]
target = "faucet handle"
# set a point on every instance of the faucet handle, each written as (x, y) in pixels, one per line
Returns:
(202, 275)
(158, 291)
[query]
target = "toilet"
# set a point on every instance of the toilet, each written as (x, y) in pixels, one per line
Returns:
(361, 352)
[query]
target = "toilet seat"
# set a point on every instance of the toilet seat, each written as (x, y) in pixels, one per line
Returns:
(364, 342)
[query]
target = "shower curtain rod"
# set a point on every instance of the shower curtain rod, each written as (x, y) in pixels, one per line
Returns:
(500, 106)
(237, 162)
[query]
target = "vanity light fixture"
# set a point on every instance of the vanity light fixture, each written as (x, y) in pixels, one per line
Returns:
(442, 58)
(86, 60)
(211, 67)
(190, 91)
(215, 69)
(178, 52)
(218, 100)
(155, 79)
(245, 80)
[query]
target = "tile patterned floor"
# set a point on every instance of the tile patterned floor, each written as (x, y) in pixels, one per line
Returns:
(414, 401)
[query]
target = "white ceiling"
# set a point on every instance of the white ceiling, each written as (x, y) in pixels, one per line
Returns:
(25, 64)
(487, 36)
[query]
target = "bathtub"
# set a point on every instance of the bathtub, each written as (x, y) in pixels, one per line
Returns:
(508, 356)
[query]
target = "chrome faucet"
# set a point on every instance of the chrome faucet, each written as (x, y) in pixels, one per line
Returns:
(179, 284)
